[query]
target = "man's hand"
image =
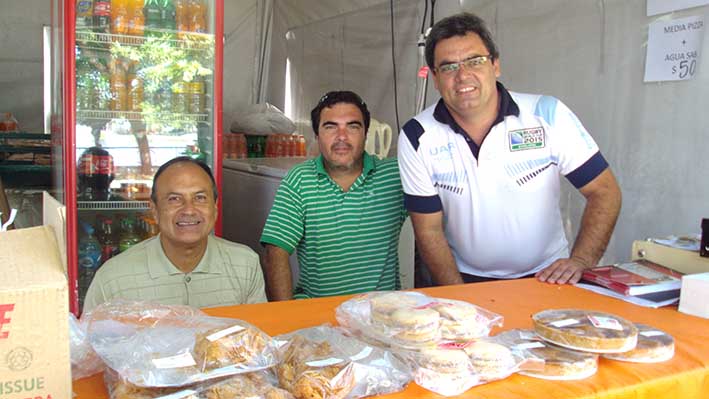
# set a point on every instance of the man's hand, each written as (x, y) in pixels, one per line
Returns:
(563, 271)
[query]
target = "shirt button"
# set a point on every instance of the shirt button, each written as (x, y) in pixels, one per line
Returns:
(188, 279)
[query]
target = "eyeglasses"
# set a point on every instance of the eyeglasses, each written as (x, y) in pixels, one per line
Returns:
(471, 63)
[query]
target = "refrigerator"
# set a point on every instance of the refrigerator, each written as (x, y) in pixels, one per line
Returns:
(135, 83)
(250, 185)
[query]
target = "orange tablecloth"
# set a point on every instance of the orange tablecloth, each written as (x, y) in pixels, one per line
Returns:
(685, 376)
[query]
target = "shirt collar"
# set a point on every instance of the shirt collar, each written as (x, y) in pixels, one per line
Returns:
(159, 265)
(368, 164)
(508, 107)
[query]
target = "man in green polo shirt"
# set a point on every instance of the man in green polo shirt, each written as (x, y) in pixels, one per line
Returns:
(342, 211)
(184, 264)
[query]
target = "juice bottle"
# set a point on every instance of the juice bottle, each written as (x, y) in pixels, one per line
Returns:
(198, 16)
(182, 16)
(196, 94)
(119, 89)
(136, 19)
(119, 17)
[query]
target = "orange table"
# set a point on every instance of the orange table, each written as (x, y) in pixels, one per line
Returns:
(685, 376)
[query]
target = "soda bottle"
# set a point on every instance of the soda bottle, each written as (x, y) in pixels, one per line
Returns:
(129, 237)
(84, 14)
(102, 16)
(153, 17)
(119, 17)
(89, 252)
(168, 16)
(95, 174)
(109, 243)
(136, 19)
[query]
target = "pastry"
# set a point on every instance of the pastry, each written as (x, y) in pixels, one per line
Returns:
(490, 361)
(383, 305)
(245, 386)
(585, 330)
(460, 321)
(221, 347)
(447, 361)
(653, 346)
(414, 326)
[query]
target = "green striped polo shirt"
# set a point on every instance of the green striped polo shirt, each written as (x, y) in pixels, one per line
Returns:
(347, 241)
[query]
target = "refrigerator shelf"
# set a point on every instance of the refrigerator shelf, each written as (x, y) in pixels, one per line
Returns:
(140, 116)
(113, 205)
(190, 41)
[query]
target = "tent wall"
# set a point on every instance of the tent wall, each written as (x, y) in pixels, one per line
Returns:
(588, 53)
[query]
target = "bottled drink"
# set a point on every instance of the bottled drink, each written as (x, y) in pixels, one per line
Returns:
(136, 19)
(129, 236)
(300, 146)
(197, 16)
(182, 23)
(84, 14)
(119, 89)
(89, 252)
(179, 97)
(109, 242)
(196, 97)
(153, 17)
(119, 17)
(102, 16)
(9, 123)
(168, 16)
(135, 93)
(95, 174)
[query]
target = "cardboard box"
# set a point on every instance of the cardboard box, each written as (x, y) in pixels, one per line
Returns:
(34, 312)
(694, 295)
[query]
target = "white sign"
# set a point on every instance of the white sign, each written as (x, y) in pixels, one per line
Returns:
(673, 49)
(655, 7)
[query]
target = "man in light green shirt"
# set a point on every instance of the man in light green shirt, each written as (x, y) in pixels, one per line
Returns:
(184, 264)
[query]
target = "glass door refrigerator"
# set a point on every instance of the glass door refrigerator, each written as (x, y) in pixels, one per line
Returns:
(141, 83)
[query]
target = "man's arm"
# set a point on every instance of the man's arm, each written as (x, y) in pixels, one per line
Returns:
(603, 200)
(433, 247)
(276, 268)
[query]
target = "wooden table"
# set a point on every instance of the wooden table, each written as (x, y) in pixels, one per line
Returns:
(685, 376)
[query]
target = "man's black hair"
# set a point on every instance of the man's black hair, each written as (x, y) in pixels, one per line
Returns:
(336, 97)
(182, 159)
(459, 25)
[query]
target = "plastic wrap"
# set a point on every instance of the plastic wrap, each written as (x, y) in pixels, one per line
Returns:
(84, 360)
(558, 363)
(322, 363)
(153, 345)
(586, 330)
(261, 119)
(255, 385)
(654, 346)
(413, 320)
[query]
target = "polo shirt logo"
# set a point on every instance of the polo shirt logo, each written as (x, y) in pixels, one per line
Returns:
(527, 139)
(442, 152)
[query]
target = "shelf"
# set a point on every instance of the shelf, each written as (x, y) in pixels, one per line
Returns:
(31, 136)
(140, 116)
(113, 205)
(192, 41)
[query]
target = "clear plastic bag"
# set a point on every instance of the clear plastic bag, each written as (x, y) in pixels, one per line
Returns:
(154, 345)
(84, 360)
(654, 346)
(412, 320)
(558, 363)
(323, 363)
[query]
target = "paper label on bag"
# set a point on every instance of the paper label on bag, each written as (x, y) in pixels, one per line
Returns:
(362, 354)
(530, 345)
(324, 362)
(605, 322)
(564, 323)
(653, 333)
(173, 362)
(223, 333)
(528, 335)
(182, 394)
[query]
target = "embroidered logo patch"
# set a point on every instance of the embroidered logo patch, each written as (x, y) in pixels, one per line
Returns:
(527, 139)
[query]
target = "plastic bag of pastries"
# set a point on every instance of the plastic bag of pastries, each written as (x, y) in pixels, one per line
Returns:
(413, 320)
(586, 330)
(154, 345)
(84, 360)
(323, 363)
(557, 363)
(256, 385)
(654, 346)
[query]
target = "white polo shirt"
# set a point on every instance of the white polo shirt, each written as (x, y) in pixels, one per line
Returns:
(500, 201)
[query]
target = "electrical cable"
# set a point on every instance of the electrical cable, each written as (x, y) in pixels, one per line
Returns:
(393, 63)
(425, 13)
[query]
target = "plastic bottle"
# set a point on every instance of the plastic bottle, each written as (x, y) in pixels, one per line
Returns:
(84, 14)
(119, 17)
(119, 89)
(95, 173)
(129, 236)
(179, 97)
(182, 16)
(9, 124)
(198, 16)
(89, 252)
(136, 19)
(153, 17)
(102, 16)
(168, 15)
(300, 146)
(135, 93)
(101, 84)
(196, 97)
(109, 242)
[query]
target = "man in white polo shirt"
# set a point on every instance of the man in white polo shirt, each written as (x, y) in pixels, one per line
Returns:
(480, 171)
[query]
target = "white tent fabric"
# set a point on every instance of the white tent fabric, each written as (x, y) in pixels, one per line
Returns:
(588, 53)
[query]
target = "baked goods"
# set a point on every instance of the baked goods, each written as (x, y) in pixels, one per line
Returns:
(653, 346)
(384, 304)
(461, 321)
(244, 386)
(447, 361)
(586, 330)
(490, 361)
(558, 363)
(414, 326)
(221, 347)
(445, 371)
(309, 371)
